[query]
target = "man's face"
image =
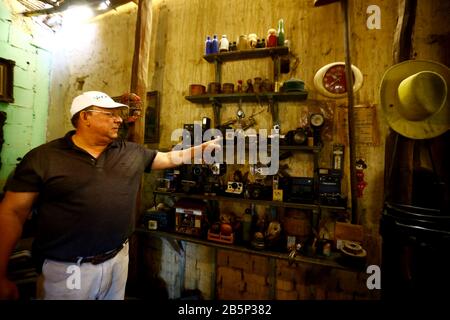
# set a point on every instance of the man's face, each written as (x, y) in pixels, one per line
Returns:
(106, 122)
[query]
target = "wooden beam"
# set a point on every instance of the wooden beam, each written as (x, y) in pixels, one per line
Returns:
(403, 36)
(351, 121)
(139, 71)
(318, 3)
(400, 154)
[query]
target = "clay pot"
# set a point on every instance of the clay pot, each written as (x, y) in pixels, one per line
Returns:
(196, 89)
(228, 88)
(214, 87)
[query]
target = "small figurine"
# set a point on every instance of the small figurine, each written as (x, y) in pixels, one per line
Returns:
(249, 86)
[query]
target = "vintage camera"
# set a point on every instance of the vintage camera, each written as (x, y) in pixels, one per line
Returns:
(199, 170)
(218, 169)
(170, 182)
(297, 137)
(258, 191)
(193, 178)
(235, 188)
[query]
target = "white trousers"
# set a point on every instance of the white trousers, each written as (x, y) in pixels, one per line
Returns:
(86, 281)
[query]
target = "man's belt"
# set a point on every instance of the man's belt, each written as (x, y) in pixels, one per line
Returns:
(97, 259)
(100, 258)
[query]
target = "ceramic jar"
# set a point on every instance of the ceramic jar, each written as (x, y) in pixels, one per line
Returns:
(252, 40)
(242, 43)
(271, 40)
(224, 44)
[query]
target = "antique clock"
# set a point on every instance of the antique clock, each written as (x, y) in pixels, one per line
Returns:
(330, 80)
(316, 121)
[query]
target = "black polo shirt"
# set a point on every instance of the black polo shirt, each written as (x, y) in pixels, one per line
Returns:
(85, 205)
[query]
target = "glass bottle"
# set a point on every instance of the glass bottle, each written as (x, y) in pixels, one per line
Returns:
(208, 44)
(215, 44)
(280, 33)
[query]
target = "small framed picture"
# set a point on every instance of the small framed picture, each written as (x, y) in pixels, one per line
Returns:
(6, 80)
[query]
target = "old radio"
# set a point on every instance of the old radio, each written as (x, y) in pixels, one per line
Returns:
(158, 220)
(330, 187)
(329, 181)
(301, 189)
(190, 217)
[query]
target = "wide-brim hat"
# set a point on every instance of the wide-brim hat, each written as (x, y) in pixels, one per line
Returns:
(414, 98)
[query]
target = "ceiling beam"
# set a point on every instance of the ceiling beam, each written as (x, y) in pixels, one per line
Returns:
(64, 5)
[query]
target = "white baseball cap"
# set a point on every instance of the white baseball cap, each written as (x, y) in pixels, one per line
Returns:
(93, 98)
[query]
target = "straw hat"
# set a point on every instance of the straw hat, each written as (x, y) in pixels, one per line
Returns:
(415, 100)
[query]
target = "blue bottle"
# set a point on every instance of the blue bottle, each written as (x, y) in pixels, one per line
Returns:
(215, 44)
(208, 45)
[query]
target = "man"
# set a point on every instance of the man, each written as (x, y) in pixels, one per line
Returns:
(83, 187)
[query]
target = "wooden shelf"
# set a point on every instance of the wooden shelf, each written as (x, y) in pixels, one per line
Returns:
(299, 148)
(246, 54)
(248, 97)
(283, 204)
(331, 261)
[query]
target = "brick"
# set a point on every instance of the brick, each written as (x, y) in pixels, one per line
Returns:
(286, 273)
(286, 295)
(260, 265)
(230, 275)
(257, 279)
(23, 78)
(5, 13)
(304, 292)
(241, 261)
(257, 292)
(9, 52)
(284, 285)
(23, 97)
(4, 31)
(225, 294)
(19, 39)
(20, 116)
(348, 281)
(17, 136)
(222, 258)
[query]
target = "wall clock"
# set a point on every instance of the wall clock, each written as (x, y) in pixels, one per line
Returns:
(316, 120)
(330, 80)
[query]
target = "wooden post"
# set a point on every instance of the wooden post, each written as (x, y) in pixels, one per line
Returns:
(139, 86)
(403, 36)
(351, 121)
(139, 71)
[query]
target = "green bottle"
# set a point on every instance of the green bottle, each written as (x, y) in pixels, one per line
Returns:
(280, 34)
